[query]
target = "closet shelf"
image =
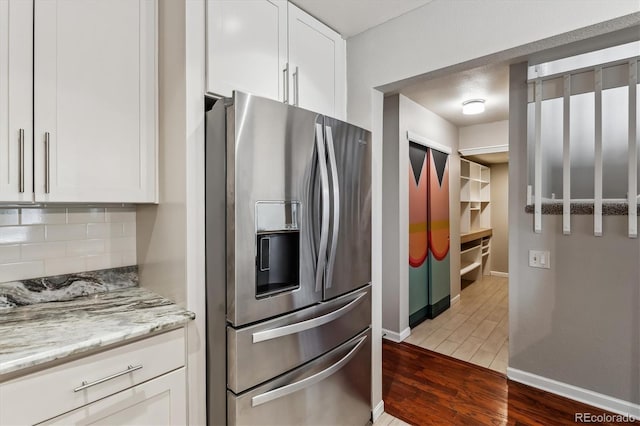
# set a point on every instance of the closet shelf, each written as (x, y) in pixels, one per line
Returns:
(475, 234)
(468, 267)
(470, 249)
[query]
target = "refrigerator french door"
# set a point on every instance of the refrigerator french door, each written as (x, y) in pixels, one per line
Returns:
(429, 272)
(349, 261)
(288, 247)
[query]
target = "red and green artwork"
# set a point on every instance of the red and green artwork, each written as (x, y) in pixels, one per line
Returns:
(428, 232)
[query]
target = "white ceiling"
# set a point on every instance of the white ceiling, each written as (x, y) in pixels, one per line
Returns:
(350, 17)
(444, 95)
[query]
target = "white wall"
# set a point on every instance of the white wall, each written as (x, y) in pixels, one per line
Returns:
(484, 135)
(392, 296)
(429, 39)
(578, 322)
(37, 242)
(171, 234)
(445, 33)
(499, 257)
(402, 115)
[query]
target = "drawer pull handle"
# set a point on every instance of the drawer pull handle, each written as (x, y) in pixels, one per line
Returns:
(299, 327)
(86, 385)
(307, 382)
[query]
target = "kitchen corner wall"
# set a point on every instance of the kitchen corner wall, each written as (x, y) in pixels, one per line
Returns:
(37, 242)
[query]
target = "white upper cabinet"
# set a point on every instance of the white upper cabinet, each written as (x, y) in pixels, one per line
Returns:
(95, 88)
(247, 47)
(273, 49)
(317, 64)
(16, 97)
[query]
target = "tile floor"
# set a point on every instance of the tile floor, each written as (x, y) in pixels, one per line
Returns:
(475, 329)
(388, 420)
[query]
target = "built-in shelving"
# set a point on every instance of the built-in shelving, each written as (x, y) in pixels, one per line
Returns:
(475, 196)
(475, 219)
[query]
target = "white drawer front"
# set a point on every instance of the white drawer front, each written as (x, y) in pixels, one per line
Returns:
(158, 402)
(42, 395)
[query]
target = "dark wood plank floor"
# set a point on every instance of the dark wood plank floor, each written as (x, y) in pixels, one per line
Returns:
(426, 388)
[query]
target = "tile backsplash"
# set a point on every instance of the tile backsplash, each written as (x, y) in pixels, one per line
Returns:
(38, 242)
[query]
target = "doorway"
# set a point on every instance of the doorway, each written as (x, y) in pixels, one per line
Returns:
(466, 316)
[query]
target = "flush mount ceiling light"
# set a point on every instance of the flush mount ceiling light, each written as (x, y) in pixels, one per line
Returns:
(473, 106)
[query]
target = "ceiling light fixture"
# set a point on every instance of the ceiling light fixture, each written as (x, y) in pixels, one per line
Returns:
(473, 106)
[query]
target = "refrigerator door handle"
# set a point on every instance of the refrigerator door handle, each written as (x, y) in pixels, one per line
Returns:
(307, 382)
(324, 230)
(298, 327)
(336, 205)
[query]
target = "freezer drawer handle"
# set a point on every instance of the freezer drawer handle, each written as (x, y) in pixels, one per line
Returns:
(309, 381)
(336, 207)
(324, 229)
(261, 336)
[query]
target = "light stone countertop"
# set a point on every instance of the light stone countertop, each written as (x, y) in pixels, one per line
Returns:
(36, 334)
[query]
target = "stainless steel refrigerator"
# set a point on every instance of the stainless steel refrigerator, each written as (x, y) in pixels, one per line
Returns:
(288, 246)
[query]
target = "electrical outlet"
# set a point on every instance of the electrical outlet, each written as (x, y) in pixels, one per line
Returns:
(540, 259)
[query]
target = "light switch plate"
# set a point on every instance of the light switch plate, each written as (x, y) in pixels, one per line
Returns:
(540, 259)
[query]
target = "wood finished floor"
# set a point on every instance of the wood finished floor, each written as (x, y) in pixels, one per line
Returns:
(421, 387)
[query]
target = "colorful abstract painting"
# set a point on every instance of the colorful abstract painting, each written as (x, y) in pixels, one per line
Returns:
(429, 275)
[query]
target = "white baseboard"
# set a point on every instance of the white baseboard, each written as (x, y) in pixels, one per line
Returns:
(455, 300)
(377, 411)
(499, 274)
(575, 393)
(396, 337)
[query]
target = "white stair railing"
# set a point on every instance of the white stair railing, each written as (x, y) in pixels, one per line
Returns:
(616, 69)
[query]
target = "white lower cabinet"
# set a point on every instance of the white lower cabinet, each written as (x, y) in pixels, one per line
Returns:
(140, 383)
(160, 401)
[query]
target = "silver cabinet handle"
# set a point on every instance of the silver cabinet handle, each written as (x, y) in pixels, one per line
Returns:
(285, 83)
(324, 229)
(336, 206)
(86, 385)
(21, 163)
(298, 327)
(296, 88)
(47, 169)
(309, 381)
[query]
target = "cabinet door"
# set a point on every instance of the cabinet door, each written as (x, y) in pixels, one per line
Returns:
(95, 100)
(161, 401)
(16, 100)
(317, 65)
(247, 47)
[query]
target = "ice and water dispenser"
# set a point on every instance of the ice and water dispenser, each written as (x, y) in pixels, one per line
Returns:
(277, 247)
